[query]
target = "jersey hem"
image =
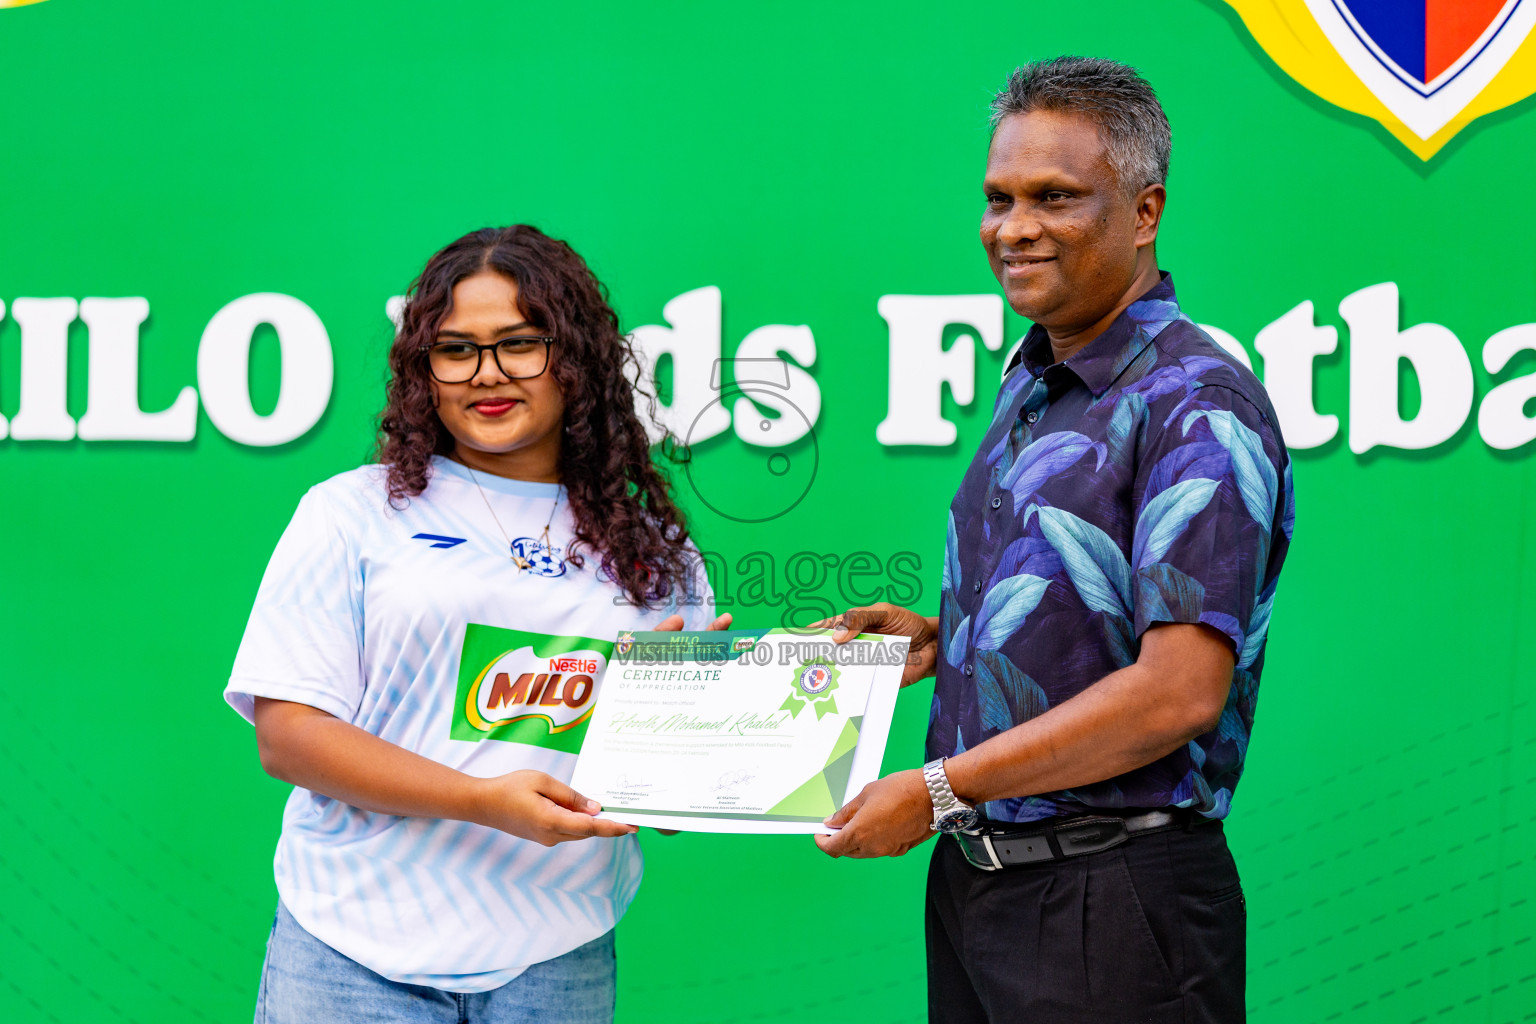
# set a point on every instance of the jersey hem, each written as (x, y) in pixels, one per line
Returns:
(479, 981)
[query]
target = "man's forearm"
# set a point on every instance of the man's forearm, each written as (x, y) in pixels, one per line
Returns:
(1128, 719)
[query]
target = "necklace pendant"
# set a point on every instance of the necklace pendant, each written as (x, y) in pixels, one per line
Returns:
(538, 557)
(527, 554)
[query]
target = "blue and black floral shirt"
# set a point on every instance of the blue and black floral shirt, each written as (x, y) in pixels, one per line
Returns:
(1143, 480)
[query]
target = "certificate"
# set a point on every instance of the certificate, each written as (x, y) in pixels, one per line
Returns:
(765, 731)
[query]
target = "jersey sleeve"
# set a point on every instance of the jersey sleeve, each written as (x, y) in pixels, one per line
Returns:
(1208, 504)
(303, 642)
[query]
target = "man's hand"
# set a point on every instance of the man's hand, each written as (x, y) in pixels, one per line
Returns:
(536, 806)
(888, 817)
(891, 620)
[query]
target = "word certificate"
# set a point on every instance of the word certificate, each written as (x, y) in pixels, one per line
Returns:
(765, 731)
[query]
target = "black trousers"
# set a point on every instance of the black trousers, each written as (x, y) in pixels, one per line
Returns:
(1153, 930)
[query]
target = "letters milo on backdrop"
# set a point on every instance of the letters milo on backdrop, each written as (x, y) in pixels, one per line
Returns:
(211, 211)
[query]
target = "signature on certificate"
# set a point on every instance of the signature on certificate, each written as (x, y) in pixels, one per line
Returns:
(731, 780)
(625, 784)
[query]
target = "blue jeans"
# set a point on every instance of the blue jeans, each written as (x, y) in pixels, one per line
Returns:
(304, 981)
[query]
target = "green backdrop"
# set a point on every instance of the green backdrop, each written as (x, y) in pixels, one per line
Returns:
(806, 161)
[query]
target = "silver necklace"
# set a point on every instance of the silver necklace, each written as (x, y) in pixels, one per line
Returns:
(521, 562)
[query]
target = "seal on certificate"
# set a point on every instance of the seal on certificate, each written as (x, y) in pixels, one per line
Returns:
(814, 680)
(625, 642)
(813, 685)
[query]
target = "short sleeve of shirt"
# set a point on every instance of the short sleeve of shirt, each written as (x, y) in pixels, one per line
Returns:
(303, 642)
(1207, 500)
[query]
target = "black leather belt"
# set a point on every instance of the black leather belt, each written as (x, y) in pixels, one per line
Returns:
(992, 848)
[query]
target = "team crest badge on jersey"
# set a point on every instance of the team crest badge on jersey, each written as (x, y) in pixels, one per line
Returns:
(1425, 69)
(532, 688)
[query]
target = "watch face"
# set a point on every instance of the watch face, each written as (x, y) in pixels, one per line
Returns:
(957, 820)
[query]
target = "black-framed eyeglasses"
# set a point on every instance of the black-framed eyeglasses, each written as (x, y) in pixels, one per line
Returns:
(457, 362)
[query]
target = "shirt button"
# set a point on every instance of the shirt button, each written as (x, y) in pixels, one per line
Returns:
(968, 669)
(977, 587)
(997, 501)
(1031, 417)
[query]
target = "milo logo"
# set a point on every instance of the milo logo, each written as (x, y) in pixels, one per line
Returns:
(529, 688)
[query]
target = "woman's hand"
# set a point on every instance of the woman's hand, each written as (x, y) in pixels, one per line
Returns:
(891, 620)
(535, 806)
(310, 748)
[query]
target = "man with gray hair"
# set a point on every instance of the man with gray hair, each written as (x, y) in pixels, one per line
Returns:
(1110, 568)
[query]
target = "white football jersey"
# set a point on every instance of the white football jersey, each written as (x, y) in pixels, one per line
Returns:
(416, 625)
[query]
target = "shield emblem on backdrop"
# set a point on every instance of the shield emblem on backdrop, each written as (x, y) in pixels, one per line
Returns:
(1423, 68)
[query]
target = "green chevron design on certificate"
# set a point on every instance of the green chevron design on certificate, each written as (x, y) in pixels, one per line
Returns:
(739, 730)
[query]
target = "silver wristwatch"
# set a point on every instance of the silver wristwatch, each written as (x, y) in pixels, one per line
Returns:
(950, 813)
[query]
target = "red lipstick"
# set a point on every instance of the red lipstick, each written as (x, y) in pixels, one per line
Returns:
(494, 407)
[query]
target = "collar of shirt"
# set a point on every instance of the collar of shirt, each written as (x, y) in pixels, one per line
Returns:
(1100, 363)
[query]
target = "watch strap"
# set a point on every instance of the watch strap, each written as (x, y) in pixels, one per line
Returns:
(939, 791)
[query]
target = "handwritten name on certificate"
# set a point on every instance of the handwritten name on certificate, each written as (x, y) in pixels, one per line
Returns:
(764, 731)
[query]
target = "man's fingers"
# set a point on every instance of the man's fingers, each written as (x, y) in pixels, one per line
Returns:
(840, 844)
(849, 624)
(835, 622)
(879, 618)
(832, 845)
(845, 813)
(723, 622)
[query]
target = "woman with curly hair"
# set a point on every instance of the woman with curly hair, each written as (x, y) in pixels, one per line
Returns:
(425, 650)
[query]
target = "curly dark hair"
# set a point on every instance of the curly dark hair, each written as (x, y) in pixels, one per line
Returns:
(621, 501)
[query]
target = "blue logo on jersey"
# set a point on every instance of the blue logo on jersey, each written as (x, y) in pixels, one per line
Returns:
(542, 560)
(440, 541)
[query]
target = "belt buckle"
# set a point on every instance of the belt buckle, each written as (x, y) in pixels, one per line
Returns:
(986, 844)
